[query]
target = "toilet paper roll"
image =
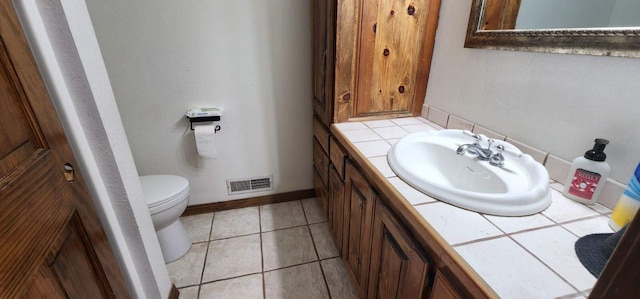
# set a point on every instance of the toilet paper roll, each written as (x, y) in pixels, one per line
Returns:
(206, 140)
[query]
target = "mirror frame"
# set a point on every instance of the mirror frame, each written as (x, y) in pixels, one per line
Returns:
(588, 41)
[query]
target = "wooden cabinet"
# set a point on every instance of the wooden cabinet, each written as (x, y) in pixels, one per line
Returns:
(442, 288)
(394, 57)
(383, 56)
(399, 268)
(381, 257)
(335, 211)
(321, 161)
(359, 202)
(381, 254)
(371, 58)
(324, 32)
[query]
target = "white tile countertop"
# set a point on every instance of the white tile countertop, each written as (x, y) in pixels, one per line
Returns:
(518, 257)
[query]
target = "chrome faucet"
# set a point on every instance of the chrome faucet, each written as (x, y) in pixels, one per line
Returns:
(485, 154)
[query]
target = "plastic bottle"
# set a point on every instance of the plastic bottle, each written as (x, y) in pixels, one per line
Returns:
(628, 204)
(588, 174)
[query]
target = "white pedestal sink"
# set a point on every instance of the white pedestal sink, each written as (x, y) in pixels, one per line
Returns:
(428, 162)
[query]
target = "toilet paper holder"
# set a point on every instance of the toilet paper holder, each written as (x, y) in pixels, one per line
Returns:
(204, 119)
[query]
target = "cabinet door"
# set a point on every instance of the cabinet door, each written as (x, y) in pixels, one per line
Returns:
(442, 289)
(393, 56)
(359, 201)
(336, 207)
(321, 190)
(399, 268)
(323, 13)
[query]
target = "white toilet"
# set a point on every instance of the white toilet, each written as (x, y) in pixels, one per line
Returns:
(167, 197)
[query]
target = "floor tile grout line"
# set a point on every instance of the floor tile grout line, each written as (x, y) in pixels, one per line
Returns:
(206, 253)
(324, 278)
(255, 233)
(231, 278)
(264, 283)
(315, 248)
(261, 273)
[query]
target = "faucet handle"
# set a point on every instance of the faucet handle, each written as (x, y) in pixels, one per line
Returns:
(473, 135)
(497, 159)
(490, 142)
(476, 137)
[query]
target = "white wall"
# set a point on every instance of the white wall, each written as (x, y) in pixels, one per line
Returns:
(65, 47)
(251, 57)
(556, 102)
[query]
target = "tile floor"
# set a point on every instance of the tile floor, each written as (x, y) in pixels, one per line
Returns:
(281, 250)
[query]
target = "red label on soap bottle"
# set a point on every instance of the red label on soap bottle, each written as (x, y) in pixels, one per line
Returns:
(584, 183)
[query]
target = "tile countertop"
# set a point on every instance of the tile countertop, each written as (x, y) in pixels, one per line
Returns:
(519, 257)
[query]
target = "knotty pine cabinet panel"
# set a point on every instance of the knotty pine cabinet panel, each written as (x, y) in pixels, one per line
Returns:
(399, 268)
(384, 50)
(359, 202)
(391, 49)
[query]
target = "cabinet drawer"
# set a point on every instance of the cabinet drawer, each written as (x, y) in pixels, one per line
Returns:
(337, 155)
(321, 162)
(321, 133)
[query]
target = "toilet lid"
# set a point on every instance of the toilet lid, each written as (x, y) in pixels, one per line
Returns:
(159, 189)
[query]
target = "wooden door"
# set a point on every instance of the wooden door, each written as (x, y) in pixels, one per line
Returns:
(398, 268)
(51, 242)
(336, 207)
(359, 201)
(394, 50)
(323, 47)
(383, 56)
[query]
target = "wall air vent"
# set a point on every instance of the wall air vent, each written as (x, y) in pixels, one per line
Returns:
(256, 184)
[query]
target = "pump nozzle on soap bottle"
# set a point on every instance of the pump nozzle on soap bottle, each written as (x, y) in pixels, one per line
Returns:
(588, 175)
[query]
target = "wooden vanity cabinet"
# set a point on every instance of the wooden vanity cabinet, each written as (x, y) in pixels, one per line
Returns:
(443, 289)
(381, 255)
(399, 267)
(335, 210)
(321, 162)
(359, 200)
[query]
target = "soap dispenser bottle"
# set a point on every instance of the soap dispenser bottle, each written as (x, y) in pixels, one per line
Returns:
(588, 175)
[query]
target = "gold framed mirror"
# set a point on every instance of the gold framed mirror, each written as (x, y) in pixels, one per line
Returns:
(492, 25)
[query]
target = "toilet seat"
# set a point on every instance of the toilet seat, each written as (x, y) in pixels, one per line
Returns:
(163, 190)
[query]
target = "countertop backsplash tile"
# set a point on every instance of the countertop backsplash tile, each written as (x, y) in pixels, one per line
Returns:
(455, 122)
(438, 116)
